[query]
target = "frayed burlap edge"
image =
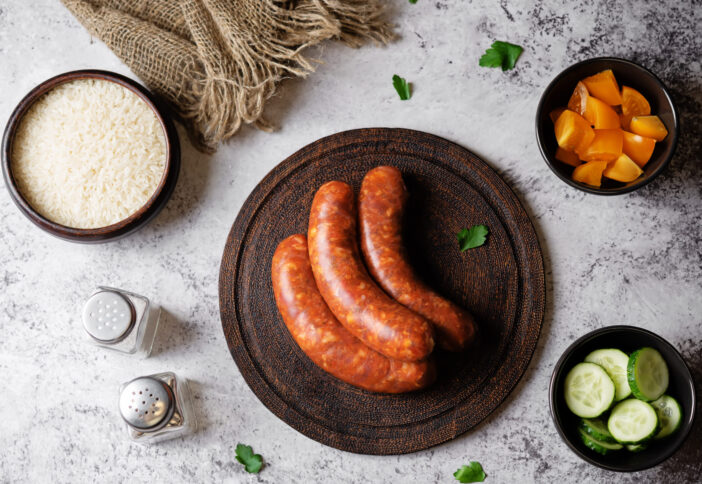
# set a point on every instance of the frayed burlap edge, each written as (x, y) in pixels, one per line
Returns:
(217, 62)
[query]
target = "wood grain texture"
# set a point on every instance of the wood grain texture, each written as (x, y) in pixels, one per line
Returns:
(501, 283)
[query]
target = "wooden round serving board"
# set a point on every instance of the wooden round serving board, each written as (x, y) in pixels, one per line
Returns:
(502, 283)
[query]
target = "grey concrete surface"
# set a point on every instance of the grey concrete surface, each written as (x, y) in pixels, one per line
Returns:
(633, 259)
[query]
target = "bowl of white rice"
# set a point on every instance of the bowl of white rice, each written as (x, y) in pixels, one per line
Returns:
(90, 156)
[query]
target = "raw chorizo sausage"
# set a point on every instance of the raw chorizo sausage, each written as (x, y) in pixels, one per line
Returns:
(327, 343)
(356, 301)
(381, 206)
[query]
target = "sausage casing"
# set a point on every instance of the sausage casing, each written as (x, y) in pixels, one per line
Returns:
(327, 343)
(381, 205)
(353, 297)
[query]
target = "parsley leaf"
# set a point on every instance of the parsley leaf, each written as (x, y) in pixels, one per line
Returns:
(402, 87)
(412, 1)
(501, 54)
(252, 462)
(472, 237)
(470, 473)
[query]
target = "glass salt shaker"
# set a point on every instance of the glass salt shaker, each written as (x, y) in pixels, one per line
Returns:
(121, 321)
(157, 408)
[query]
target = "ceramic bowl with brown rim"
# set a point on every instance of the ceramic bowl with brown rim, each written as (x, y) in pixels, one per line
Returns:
(136, 219)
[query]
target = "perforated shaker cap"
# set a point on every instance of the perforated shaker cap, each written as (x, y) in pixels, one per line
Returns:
(146, 403)
(108, 316)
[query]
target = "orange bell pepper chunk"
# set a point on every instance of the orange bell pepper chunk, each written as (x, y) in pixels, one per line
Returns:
(590, 173)
(604, 87)
(568, 157)
(633, 104)
(606, 146)
(555, 113)
(638, 148)
(573, 132)
(600, 114)
(648, 126)
(622, 169)
(578, 100)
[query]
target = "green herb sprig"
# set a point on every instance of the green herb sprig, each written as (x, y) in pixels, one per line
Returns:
(402, 87)
(472, 237)
(470, 473)
(501, 54)
(252, 462)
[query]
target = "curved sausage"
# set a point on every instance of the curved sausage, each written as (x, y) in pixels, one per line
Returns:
(381, 205)
(357, 302)
(327, 343)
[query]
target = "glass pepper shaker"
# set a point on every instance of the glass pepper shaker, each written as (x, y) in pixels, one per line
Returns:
(121, 321)
(157, 408)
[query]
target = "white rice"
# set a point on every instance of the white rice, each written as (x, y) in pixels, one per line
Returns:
(88, 154)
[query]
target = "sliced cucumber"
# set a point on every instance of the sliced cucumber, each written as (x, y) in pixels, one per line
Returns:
(589, 391)
(596, 429)
(598, 445)
(647, 374)
(636, 447)
(615, 363)
(669, 415)
(632, 422)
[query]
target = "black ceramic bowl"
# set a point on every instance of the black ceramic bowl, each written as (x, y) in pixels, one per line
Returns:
(627, 339)
(629, 74)
(124, 227)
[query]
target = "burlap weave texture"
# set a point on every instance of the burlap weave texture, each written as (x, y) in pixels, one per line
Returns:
(218, 61)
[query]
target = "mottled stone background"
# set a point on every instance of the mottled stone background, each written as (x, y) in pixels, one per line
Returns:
(632, 259)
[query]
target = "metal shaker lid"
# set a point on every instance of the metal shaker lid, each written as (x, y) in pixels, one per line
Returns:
(146, 403)
(108, 316)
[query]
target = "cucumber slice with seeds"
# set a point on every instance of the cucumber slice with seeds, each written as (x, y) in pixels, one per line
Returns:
(615, 363)
(669, 415)
(632, 422)
(597, 445)
(647, 374)
(589, 391)
(596, 429)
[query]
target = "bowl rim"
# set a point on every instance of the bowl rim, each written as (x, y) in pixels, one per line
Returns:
(627, 188)
(118, 229)
(552, 397)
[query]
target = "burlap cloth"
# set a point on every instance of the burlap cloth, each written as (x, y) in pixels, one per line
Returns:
(218, 61)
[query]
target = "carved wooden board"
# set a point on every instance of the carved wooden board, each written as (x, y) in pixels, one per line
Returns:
(502, 283)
